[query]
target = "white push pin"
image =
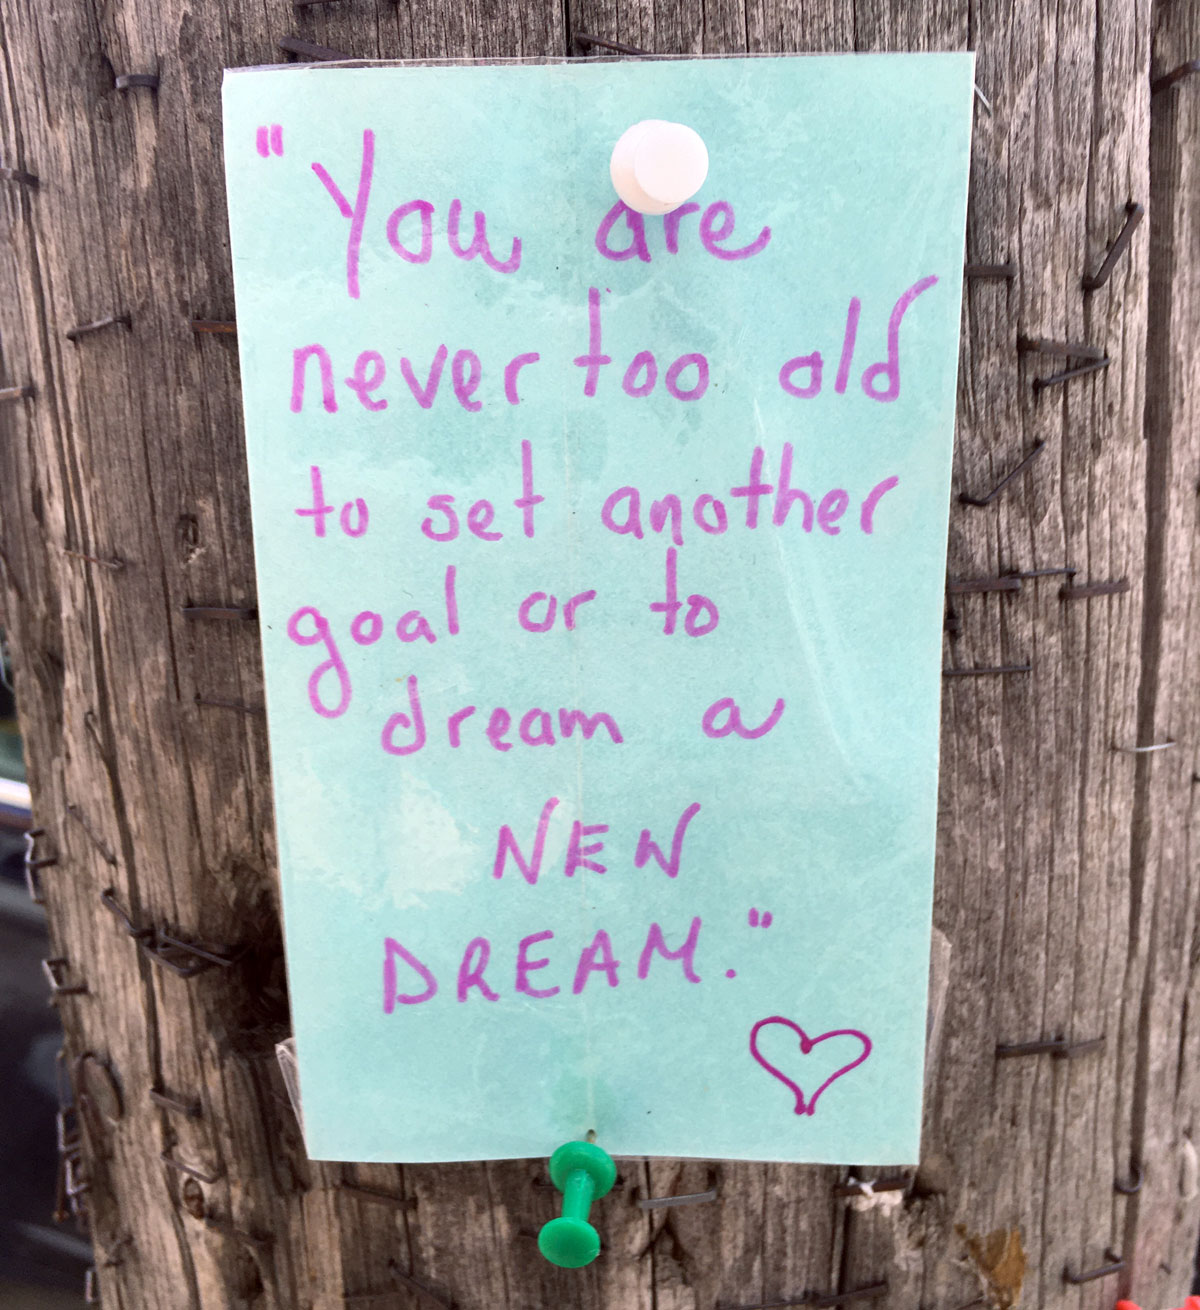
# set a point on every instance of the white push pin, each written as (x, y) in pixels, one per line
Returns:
(656, 166)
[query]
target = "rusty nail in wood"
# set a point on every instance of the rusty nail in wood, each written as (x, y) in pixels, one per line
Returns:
(214, 325)
(868, 1293)
(1063, 349)
(1175, 75)
(1134, 213)
(184, 958)
(76, 1184)
(669, 1202)
(75, 1187)
(113, 320)
(108, 898)
(1065, 569)
(1134, 1186)
(92, 835)
(190, 1170)
(1058, 1047)
(1115, 1265)
(189, 1109)
(33, 886)
(582, 38)
(1040, 384)
(971, 586)
(229, 705)
(379, 1198)
(1116, 587)
(306, 50)
(54, 968)
(95, 1080)
(126, 81)
(34, 864)
(980, 501)
(399, 1276)
(19, 175)
(986, 271)
(222, 956)
(191, 966)
(219, 612)
(116, 563)
(898, 1183)
(16, 393)
(166, 950)
(66, 1129)
(984, 670)
(60, 1213)
(1145, 750)
(62, 1210)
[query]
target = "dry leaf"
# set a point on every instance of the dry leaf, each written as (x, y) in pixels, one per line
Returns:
(999, 1260)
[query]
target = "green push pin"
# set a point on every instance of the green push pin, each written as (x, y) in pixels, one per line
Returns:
(583, 1173)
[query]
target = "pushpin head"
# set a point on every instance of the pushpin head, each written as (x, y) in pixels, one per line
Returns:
(656, 166)
(569, 1243)
(583, 1173)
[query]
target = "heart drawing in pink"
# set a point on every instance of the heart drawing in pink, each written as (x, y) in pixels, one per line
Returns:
(807, 1105)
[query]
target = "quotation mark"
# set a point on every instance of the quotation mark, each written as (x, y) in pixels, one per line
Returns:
(756, 919)
(270, 140)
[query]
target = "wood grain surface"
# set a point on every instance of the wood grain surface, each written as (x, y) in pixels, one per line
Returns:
(1067, 906)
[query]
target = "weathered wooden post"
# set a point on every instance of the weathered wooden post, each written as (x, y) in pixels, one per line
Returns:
(1065, 1068)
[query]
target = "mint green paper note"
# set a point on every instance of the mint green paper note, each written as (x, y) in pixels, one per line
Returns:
(600, 571)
